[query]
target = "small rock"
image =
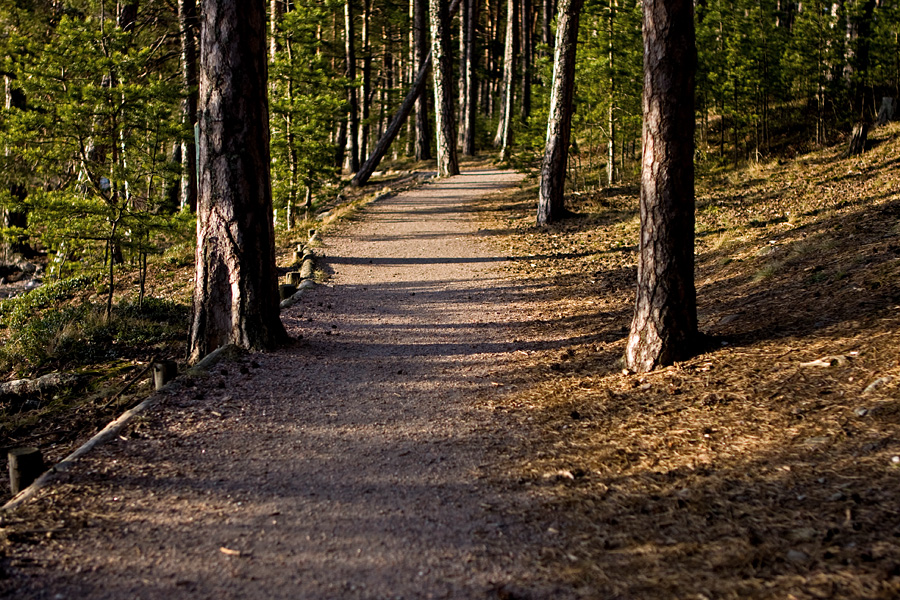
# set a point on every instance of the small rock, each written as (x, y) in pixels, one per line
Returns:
(797, 556)
(861, 411)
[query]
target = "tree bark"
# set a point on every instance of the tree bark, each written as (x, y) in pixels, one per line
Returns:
(236, 283)
(462, 60)
(366, 100)
(470, 92)
(187, 20)
(664, 329)
(527, 59)
(417, 89)
(549, 11)
(503, 139)
(352, 91)
(559, 124)
(447, 160)
(423, 125)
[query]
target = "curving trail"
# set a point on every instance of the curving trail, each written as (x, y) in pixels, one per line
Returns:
(350, 465)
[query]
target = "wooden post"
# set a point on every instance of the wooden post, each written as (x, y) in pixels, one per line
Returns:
(164, 371)
(286, 290)
(25, 465)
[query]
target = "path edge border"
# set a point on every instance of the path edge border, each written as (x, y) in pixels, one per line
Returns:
(114, 427)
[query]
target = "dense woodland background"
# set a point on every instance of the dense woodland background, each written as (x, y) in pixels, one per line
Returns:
(98, 127)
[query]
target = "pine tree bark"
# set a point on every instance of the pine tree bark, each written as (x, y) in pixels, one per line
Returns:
(352, 91)
(423, 125)
(527, 59)
(551, 205)
(664, 329)
(187, 20)
(447, 160)
(236, 285)
(469, 93)
(366, 90)
(549, 12)
(462, 59)
(503, 139)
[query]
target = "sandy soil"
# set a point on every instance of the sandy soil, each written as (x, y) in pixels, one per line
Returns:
(356, 463)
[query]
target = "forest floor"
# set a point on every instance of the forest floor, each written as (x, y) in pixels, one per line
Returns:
(491, 444)
(768, 467)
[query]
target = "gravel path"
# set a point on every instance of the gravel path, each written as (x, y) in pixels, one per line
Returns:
(349, 465)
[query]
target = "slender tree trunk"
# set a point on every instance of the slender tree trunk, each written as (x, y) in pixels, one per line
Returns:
(417, 89)
(559, 125)
(503, 139)
(549, 12)
(664, 329)
(469, 114)
(448, 163)
(611, 121)
(187, 19)
(423, 125)
(366, 79)
(352, 91)
(527, 59)
(276, 11)
(463, 61)
(411, 72)
(236, 283)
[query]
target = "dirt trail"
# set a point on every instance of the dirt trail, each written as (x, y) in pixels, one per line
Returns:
(350, 465)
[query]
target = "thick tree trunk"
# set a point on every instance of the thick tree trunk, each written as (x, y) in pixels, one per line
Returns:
(236, 283)
(447, 160)
(664, 329)
(559, 125)
(422, 52)
(187, 19)
(352, 91)
(503, 139)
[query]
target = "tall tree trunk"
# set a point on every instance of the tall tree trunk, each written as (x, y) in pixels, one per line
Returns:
(410, 75)
(503, 139)
(366, 89)
(611, 121)
(417, 89)
(548, 13)
(187, 20)
(470, 92)
(276, 12)
(236, 283)
(352, 91)
(423, 125)
(664, 329)
(463, 60)
(447, 160)
(527, 59)
(559, 125)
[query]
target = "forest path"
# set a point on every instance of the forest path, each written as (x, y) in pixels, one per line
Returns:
(349, 465)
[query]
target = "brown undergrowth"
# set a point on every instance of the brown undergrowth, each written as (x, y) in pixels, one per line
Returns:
(768, 467)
